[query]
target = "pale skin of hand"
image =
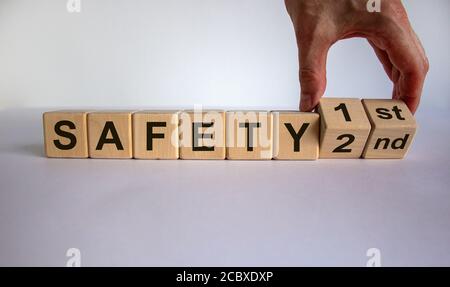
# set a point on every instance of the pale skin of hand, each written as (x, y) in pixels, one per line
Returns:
(318, 24)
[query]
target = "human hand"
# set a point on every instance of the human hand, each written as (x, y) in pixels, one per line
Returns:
(319, 24)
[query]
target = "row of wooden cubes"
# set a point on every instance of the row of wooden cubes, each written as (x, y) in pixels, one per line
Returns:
(341, 128)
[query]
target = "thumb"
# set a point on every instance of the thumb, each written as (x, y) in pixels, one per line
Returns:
(313, 60)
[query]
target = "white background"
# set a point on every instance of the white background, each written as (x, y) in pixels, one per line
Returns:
(173, 53)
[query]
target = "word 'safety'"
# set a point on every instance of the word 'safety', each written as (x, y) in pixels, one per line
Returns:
(341, 128)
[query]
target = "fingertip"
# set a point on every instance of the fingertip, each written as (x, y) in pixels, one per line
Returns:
(412, 106)
(304, 108)
(410, 91)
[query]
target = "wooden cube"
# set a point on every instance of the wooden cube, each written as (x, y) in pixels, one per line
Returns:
(155, 135)
(202, 134)
(344, 128)
(65, 134)
(110, 134)
(393, 129)
(296, 135)
(249, 135)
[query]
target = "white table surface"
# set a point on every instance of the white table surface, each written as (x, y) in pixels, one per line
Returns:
(222, 213)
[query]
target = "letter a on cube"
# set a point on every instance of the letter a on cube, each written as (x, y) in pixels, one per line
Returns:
(110, 134)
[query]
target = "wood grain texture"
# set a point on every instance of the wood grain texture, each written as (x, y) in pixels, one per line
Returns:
(295, 135)
(249, 135)
(393, 129)
(65, 134)
(155, 135)
(202, 134)
(344, 128)
(114, 129)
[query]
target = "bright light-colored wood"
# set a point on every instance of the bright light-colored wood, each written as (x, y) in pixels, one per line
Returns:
(155, 135)
(393, 129)
(202, 134)
(344, 128)
(296, 135)
(110, 134)
(249, 135)
(65, 134)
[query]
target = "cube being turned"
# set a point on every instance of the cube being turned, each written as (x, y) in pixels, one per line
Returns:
(202, 134)
(155, 134)
(65, 134)
(249, 135)
(344, 128)
(393, 129)
(296, 135)
(110, 134)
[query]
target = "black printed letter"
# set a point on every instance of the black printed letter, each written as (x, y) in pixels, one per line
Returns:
(70, 136)
(109, 126)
